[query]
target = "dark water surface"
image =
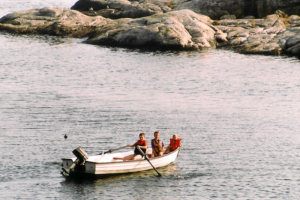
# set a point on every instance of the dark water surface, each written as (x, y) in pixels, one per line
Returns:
(238, 116)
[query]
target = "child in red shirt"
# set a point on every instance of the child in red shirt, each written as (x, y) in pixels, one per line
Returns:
(142, 144)
(174, 144)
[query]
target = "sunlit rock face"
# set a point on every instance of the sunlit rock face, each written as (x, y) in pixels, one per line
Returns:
(52, 21)
(272, 35)
(182, 29)
(176, 29)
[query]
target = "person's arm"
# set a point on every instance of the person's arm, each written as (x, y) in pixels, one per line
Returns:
(166, 151)
(128, 145)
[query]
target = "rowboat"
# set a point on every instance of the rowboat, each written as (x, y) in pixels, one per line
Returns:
(106, 164)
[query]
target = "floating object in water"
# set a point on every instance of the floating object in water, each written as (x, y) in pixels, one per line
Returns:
(66, 136)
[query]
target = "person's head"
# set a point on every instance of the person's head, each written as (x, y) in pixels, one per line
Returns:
(142, 136)
(175, 137)
(156, 134)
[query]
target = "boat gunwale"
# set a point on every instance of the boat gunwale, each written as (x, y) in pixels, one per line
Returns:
(130, 161)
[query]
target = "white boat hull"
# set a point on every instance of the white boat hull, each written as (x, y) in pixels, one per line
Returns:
(106, 164)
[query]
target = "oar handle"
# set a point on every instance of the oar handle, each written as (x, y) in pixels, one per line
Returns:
(148, 160)
(112, 150)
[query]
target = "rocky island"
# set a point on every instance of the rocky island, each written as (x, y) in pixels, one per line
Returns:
(247, 26)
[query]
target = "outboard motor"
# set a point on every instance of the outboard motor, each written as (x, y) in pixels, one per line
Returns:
(81, 155)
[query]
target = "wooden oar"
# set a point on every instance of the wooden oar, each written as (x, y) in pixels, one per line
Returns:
(112, 150)
(148, 161)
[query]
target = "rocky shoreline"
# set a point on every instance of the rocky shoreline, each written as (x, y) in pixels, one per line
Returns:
(159, 24)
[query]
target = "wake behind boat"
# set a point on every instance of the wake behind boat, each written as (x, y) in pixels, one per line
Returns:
(106, 164)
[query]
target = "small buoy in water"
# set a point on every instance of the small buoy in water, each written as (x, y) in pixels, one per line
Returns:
(66, 136)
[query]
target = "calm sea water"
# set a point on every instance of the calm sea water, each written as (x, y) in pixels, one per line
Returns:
(238, 116)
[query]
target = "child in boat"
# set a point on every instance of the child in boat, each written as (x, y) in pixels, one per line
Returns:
(157, 145)
(142, 144)
(174, 144)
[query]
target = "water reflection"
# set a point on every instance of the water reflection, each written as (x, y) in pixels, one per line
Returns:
(167, 172)
(142, 183)
(51, 40)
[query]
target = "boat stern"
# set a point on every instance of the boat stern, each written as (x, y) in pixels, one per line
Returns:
(67, 162)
